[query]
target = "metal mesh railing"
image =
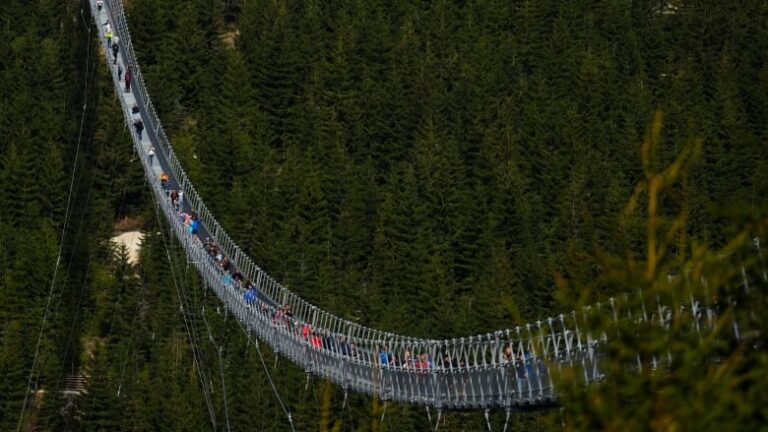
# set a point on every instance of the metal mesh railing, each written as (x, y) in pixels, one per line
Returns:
(502, 368)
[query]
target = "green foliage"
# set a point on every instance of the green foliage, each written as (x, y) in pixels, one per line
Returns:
(431, 168)
(484, 134)
(14, 381)
(434, 169)
(688, 373)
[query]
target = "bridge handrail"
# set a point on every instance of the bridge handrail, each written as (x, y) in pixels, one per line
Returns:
(553, 338)
(265, 283)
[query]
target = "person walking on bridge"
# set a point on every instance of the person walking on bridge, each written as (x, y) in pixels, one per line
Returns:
(115, 48)
(164, 181)
(151, 155)
(108, 33)
(128, 78)
(139, 125)
(119, 72)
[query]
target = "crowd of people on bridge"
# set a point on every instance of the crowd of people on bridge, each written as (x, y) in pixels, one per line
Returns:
(113, 43)
(521, 364)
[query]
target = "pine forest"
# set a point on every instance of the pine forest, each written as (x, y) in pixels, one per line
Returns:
(435, 169)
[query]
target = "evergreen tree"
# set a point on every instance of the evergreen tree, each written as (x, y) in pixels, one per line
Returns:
(100, 409)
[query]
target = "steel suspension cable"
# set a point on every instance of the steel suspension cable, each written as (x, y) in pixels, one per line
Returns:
(221, 368)
(193, 340)
(139, 299)
(63, 231)
(181, 292)
(87, 273)
(88, 270)
(468, 356)
(269, 377)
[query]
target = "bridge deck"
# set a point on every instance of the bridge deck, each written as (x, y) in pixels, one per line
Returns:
(508, 368)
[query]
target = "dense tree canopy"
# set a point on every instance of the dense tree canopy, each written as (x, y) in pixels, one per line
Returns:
(434, 168)
(372, 152)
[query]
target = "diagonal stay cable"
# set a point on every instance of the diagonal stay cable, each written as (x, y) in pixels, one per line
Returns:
(221, 369)
(187, 326)
(82, 285)
(112, 319)
(178, 285)
(87, 273)
(269, 376)
(63, 231)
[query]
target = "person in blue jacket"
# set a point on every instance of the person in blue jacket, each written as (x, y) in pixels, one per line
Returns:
(384, 356)
(250, 295)
(194, 225)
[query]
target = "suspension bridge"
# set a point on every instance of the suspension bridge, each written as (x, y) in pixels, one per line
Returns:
(510, 368)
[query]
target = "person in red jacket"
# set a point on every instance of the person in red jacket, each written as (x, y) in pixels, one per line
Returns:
(316, 341)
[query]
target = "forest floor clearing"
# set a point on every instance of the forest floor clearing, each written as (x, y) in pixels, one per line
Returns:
(132, 241)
